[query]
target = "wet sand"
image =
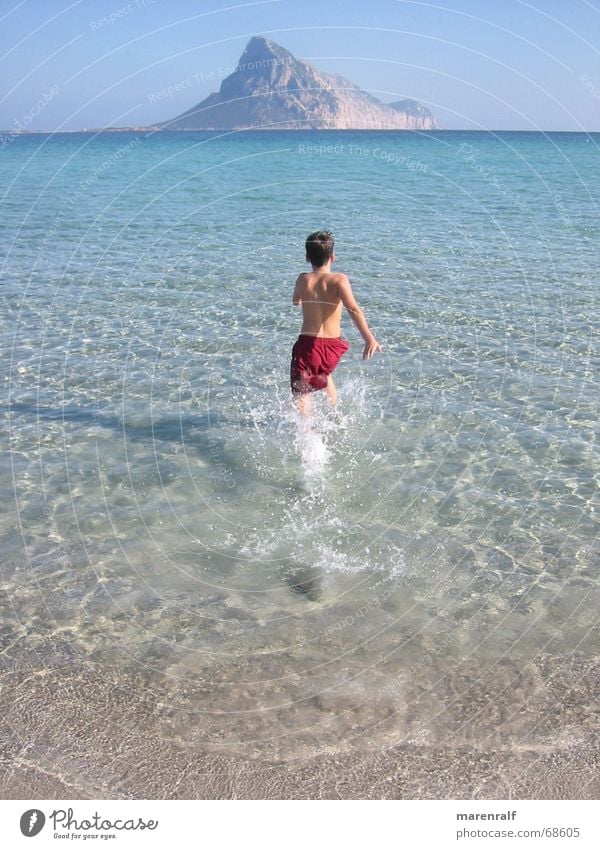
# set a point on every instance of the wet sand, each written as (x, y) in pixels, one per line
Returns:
(75, 730)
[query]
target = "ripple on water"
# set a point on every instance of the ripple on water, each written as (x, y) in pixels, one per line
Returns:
(414, 568)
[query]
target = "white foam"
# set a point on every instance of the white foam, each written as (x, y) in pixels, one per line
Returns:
(312, 450)
(317, 454)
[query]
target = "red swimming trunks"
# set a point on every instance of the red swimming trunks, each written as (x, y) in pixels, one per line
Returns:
(313, 358)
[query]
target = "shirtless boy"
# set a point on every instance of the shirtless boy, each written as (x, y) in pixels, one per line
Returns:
(320, 346)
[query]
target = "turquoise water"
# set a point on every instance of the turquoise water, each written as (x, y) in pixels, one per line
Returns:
(415, 572)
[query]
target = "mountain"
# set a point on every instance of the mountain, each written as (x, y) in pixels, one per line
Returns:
(271, 89)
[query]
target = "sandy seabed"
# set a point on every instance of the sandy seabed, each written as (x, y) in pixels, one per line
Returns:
(75, 731)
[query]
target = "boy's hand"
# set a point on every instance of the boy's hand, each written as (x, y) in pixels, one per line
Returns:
(371, 347)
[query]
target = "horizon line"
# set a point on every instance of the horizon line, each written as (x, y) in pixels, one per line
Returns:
(157, 129)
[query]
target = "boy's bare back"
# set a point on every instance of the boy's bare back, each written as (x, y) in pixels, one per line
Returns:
(319, 294)
(322, 294)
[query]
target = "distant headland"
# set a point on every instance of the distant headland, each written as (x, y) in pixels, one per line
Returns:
(271, 89)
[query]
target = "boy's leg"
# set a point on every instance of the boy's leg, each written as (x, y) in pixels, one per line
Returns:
(331, 391)
(303, 403)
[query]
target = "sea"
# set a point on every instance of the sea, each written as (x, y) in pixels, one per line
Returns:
(398, 597)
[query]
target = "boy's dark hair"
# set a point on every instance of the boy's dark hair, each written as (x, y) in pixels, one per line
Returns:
(319, 247)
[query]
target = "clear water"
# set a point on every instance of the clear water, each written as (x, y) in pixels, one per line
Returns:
(418, 570)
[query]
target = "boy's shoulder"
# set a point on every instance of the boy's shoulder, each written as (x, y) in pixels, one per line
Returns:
(331, 279)
(328, 276)
(336, 278)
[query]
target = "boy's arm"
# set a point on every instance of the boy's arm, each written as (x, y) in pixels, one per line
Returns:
(358, 317)
(296, 296)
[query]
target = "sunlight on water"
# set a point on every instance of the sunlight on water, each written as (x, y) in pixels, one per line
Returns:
(422, 555)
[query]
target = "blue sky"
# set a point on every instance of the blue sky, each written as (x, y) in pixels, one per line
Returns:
(477, 64)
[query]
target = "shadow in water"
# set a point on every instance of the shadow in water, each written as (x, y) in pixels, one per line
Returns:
(157, 428)
(304, 579)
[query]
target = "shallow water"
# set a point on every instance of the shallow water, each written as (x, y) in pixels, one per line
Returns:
(409, 571)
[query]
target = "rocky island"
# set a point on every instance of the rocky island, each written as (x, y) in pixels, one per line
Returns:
(271, 89)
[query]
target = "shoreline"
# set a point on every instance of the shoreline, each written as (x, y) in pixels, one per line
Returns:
(91, 732)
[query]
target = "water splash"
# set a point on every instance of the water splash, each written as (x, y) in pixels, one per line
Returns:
(312, 451)
(316, 529)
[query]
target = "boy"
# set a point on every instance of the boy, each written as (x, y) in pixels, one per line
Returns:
(320, 346)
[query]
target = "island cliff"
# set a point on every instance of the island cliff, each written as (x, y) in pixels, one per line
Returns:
(271, 89)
